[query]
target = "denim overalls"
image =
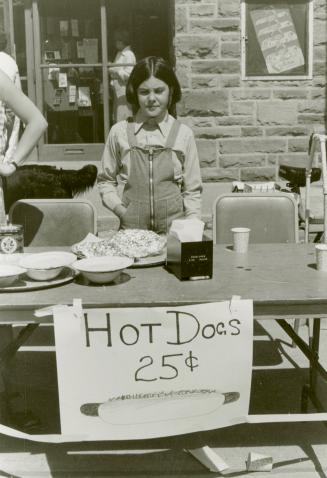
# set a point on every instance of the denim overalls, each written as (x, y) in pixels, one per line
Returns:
(151, 195)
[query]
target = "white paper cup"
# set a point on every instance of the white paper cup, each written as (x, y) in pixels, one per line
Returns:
(321, 257)
(240, 239)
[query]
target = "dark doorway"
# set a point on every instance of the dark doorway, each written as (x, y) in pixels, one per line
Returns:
(150, 23)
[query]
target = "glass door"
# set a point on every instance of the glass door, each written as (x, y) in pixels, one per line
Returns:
(65, 50)
(71, 77)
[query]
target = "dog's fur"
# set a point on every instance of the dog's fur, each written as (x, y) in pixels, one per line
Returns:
(37, 181)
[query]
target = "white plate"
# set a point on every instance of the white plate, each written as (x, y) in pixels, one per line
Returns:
(24, 283)
(150, 261)
(47, 260)
(103, 264)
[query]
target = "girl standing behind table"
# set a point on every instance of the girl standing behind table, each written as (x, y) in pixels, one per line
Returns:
(150, 168)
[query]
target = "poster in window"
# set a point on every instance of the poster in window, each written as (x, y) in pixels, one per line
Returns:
(277, 37)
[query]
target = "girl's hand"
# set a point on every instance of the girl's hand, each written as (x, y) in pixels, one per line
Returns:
(7, 169)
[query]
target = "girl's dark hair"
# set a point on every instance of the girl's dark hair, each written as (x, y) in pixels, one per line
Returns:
(157, 67)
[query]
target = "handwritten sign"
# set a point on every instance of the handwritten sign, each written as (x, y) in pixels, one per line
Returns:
(277, 38)
(133, 373)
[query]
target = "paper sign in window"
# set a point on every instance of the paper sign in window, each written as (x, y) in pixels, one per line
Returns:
(277, 37)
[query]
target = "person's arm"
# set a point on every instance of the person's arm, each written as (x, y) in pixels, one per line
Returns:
(25, 109)
(14, 136)
(110, 168)
(192, 183)
(124, 72)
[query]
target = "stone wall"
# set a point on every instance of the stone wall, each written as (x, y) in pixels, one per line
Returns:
(244, 129)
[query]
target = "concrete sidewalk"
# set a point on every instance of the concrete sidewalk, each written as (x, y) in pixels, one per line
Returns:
(298, 450)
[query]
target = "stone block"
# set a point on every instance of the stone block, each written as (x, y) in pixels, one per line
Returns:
(203, 10)
(230, 49)
(213, 103)
(205, 25)
(203, 122)
(183, 74)
(290, 93)
(229, 9)
(319, 68)
(240, 161)
(320, 53)
(287, 131)
(272, 159)
(298, 159)
(196, 46)
(320, 10)
(216, 67)
(311, 119)
(315, 107)
(217, 132)
(181, 21)
(235, 120)
(219, 174)
(250, 94)
(320, 32)
(248, 146)
(251, 131)
(204, 81)
(298, 145)
(230, 81)
(207, 150)
(277, 112)
(258, 174)
(243, 108)
(318, 93)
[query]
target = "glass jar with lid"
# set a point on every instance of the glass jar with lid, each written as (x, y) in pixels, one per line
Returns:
(11, 238)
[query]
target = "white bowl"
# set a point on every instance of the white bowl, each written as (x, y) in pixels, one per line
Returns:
(9, 273)
(45, 266)
(102, 270)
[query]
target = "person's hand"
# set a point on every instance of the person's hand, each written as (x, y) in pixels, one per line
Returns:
(7, 169)
(120, 210)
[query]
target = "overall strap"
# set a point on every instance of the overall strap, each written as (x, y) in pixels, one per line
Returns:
(132, 141)
(173, 134)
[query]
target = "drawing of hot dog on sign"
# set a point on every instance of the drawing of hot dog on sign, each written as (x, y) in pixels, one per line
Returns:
(159, 406)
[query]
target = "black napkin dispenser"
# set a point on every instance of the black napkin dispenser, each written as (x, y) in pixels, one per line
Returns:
(189, 260)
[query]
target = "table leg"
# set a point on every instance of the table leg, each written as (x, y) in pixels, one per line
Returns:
(311, 351)
(8, 348)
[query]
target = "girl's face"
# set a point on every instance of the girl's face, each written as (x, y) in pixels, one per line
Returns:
(153, 97)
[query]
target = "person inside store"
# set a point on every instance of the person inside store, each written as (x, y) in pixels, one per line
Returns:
(150, 172)
(119, 75)
(35, 125)
(9, 66)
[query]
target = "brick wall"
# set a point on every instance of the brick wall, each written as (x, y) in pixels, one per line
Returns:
(244, 129)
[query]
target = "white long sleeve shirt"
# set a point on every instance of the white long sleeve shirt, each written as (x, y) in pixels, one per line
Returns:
(116, 161)
(120, 74)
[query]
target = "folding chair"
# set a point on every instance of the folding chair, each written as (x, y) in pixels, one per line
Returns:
(272, 218)
(49, 222)
(54, 222)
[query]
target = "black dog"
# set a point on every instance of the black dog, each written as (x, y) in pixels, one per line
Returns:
(37, 181)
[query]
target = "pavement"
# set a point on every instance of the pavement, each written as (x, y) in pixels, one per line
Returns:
(280, 371)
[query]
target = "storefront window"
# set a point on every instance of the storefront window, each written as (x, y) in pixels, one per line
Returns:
(71, 38)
